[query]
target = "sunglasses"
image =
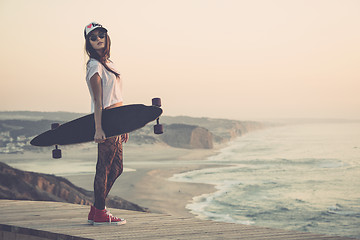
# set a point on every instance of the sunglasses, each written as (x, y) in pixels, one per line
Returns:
(94, 37)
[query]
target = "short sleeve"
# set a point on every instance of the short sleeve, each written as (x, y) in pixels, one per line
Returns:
(93, 66)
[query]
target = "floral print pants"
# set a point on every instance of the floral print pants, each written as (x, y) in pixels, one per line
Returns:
(108, 168)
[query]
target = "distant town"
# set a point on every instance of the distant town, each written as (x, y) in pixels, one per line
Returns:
(9, 144)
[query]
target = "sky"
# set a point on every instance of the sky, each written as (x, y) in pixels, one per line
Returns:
(236, 59)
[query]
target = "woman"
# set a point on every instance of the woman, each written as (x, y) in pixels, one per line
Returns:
(105, 88)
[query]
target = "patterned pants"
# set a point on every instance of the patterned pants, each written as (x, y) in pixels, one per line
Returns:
(108, 168)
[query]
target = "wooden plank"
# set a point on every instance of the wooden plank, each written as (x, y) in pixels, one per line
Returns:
(69, 221)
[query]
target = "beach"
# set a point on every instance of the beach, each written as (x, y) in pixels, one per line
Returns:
(145, 178)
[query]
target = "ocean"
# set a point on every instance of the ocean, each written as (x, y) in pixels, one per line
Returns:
(295, 177)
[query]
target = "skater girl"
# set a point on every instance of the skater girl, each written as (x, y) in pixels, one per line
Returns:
(105, 87)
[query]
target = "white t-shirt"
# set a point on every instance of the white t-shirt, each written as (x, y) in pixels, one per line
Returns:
(111, 86)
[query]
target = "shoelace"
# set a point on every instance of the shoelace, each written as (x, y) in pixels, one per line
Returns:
(110, 216)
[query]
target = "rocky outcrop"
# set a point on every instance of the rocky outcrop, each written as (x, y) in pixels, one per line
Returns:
(21, 185)
(223, 130)
(229, 129)
(187, 136)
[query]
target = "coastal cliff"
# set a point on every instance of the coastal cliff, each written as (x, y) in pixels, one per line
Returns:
(204, 132)
(22, 185)
(187, 136)
(179, 132)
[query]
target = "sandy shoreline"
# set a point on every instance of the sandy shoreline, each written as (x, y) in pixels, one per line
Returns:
(149, 186)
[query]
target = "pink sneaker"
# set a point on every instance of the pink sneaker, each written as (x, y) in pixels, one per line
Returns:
(91, 215)
(102, 217)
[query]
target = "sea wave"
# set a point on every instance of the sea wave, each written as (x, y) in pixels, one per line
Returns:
(291, 178)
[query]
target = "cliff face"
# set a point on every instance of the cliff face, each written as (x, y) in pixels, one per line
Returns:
(201, 138)
(232, 129)
(21, 185)
(187, 136)
(203, 132)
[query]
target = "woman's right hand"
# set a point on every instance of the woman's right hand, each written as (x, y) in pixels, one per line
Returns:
(99, 136)
(96, 87)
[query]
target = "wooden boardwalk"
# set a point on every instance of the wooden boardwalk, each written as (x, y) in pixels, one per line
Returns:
(50, 220)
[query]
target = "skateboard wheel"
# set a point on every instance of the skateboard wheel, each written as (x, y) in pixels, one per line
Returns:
(156, 102)
(54, 126)
(158, 129)
(56, 153)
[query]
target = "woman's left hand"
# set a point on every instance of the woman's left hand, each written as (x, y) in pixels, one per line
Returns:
(124, 137)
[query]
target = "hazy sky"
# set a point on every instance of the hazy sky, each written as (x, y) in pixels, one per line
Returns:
(237, 59)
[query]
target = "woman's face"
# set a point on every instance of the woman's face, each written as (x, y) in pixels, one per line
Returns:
(97, 39)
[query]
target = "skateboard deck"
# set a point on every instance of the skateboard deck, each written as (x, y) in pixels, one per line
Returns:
(115, 121)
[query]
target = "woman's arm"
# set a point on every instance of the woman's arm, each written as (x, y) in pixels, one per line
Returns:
(96, 86)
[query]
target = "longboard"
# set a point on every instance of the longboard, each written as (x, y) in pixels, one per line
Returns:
(115, 121)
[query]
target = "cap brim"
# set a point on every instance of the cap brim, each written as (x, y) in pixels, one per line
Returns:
(97, 28)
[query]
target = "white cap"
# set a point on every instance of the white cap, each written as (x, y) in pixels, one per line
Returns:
(92, 26)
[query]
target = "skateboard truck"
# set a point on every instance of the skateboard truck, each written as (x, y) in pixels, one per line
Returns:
(56, 153)
(158, 128)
